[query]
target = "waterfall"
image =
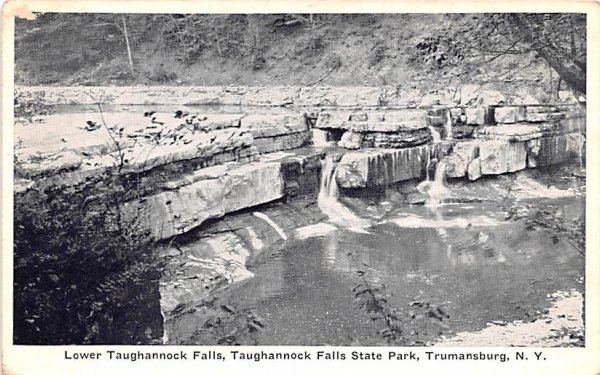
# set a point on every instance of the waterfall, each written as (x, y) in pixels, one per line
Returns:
(328, 200)
(271, 223)
(435, 134)
(329, 189)
(437, 190)
(428, 151)
(448, 125)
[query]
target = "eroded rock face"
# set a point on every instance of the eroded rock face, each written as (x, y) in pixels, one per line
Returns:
(368, 168)
(379, 129)
(338, 96)
(201, 268)
(499, 157)
(547, 151)
(212, 192)
(402, 139)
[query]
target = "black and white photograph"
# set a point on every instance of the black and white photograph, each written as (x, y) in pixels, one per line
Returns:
(311, 180)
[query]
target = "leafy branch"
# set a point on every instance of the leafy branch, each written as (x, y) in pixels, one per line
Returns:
(549, 219)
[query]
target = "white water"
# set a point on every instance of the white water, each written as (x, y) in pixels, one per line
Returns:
(448, 126)
(314, 230)
(329, 204)
(437, 190)
(273, 225)
(415, 221)
(435, 134)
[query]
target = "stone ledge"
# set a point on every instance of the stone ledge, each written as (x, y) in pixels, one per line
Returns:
(235, 186)
(371, 167)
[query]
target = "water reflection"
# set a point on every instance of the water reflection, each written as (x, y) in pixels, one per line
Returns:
(480, 273)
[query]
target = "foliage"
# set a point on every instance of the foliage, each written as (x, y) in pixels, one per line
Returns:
(83, 272)
(373, 298)
(549, 219)
(190, 35)
(29, 105)
(471, 41)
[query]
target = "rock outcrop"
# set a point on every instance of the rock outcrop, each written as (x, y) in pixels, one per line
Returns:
(369, 168)
(378, 129)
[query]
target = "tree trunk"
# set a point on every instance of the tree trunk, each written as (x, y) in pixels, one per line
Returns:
(127, 43)
(564, 64)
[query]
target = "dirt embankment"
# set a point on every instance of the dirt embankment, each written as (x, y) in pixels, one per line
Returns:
(254, 50)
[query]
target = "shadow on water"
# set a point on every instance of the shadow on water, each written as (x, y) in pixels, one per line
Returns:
(478, 271)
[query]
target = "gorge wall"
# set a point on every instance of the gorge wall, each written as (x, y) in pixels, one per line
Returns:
(199, 154)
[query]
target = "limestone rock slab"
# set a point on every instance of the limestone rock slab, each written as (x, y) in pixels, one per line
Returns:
(461, 156)
(366, 168)
(231, 188)
(475, 115)
(547, 151)
(499, 157)
(269, 125)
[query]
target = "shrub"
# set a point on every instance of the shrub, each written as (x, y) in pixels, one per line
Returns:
(82, 274)
(28, 105)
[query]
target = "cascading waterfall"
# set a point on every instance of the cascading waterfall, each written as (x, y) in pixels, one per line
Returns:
(448, 125)
(435, 134)
(437, 190)
(328, 200)
(329, 188)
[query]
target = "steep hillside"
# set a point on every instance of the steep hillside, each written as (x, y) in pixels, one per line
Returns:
(367, 49)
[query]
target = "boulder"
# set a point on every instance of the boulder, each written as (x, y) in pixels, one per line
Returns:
(492, 156)
(475, 115)
(351, 140)
(459, 159)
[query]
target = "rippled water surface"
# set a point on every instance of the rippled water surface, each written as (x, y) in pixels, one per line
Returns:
(464, 258)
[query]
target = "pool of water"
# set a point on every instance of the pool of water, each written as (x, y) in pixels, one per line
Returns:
(463, 258)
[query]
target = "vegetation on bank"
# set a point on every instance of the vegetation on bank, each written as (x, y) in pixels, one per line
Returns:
(426, 51)
(27, 106)
(84, 274)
